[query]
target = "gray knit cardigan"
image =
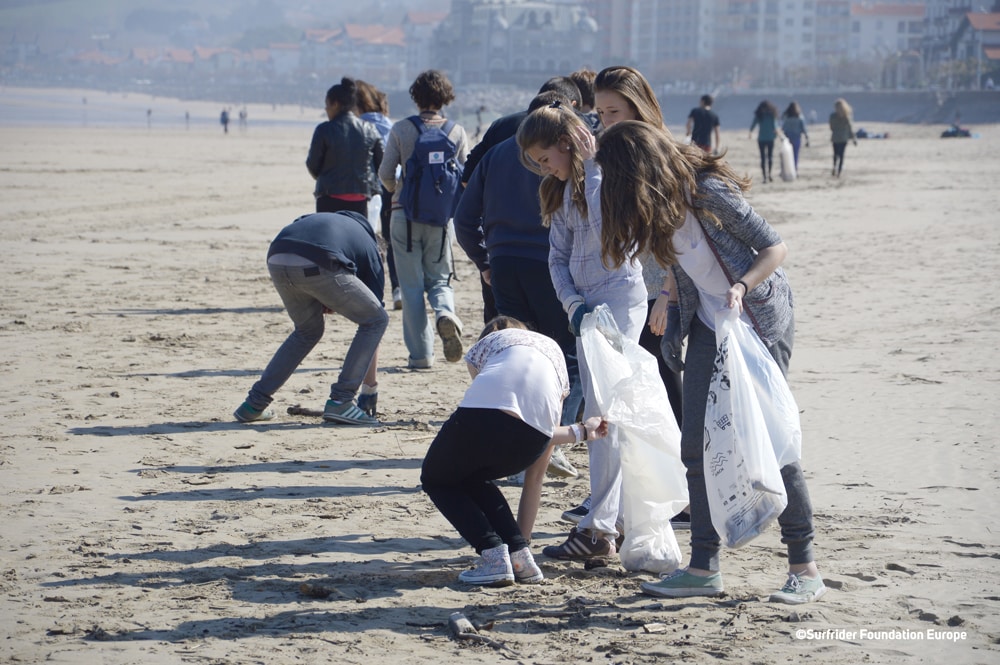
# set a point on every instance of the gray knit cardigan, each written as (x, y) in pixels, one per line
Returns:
(735, 245)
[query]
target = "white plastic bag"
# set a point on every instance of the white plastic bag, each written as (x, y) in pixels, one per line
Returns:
(630, 393)
(749, 416)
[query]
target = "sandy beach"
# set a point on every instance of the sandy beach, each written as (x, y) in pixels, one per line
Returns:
(140, 524)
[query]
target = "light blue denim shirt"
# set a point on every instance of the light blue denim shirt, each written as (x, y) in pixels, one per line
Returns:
(578, 274)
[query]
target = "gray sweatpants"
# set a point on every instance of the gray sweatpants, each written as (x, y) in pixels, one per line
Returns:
(796, 520)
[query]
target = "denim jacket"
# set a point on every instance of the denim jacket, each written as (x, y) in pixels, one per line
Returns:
(344, 155)
(735, 245)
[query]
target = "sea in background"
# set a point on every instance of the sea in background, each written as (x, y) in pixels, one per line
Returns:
(21, 106)
(94, 108)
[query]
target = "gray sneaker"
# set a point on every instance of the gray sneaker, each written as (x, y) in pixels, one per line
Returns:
(682, 584)
(451, 337)
(559, 466)
(347, 413)
(799, 590)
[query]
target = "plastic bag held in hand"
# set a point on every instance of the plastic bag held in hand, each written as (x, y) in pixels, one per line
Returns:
(630, 393)
(751, 430)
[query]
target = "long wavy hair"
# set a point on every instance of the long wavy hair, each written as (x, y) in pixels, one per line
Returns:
(543, 128)
(633, 86)
(843, 109)
(650, 182)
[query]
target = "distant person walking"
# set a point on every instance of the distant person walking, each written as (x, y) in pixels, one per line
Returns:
(766, 118)
(702, 124)
(793, 126)
(224, 121)
(841, 132)
(344, 154)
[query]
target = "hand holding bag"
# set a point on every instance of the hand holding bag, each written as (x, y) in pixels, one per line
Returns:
(749, 417)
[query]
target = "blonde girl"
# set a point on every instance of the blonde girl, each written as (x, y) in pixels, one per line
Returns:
(555, 142)
(840, 133)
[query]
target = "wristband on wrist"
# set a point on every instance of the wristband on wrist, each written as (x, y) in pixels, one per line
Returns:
(575, 431)
(664, 292)
(746, 289)
(586, 434)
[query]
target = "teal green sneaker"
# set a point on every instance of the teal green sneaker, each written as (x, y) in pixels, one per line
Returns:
(682, 584)
(248, 414)
(799, 590)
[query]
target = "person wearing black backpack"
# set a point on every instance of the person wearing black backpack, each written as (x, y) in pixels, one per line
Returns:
(423, 201)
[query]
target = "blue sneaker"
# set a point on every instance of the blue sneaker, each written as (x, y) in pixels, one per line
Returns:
(249, 414)
(799, 590)
(682, 584)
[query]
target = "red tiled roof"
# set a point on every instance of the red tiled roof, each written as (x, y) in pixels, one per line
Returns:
(181, 55)
(424, 18)
(375, 34)
(992, 53)
(316, 35)
(95, 57)
(985, 22)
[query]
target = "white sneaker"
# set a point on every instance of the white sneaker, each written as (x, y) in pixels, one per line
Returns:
(526, 571)
(559, 466)
(397, 298)
(494, 568)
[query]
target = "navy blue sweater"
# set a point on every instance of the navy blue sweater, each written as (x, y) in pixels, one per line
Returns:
(333, 239)
(501, 199)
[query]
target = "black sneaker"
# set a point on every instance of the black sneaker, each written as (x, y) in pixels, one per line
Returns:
(574, 515)
(681, 521)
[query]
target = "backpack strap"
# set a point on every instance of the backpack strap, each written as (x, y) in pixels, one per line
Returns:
(418, 122)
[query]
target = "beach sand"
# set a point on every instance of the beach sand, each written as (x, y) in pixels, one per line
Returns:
(140, 524)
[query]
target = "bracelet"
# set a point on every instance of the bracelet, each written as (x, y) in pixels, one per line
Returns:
(746, 289)
(664, 292)
(575, 431)
(586, 434)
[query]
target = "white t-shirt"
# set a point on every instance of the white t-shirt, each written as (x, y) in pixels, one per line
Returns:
(520, 379)
(696, 259)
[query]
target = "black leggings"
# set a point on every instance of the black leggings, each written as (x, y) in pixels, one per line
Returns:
(838, 157)
(473, 448)
(766, 157)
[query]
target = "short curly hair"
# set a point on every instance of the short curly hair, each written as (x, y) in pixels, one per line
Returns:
(432, 90)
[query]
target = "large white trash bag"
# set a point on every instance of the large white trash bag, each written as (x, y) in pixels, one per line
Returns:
(751, 430)
(630, 394)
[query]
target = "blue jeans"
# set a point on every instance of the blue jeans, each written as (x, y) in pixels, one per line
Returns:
(305, 291)
(424, 269)
(796, 520)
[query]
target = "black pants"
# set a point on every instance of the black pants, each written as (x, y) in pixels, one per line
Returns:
(766, 157)
(473, 448)
(330, 204)
(671, 380)
(383, 217)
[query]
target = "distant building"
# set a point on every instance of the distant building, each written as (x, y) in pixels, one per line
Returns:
(521, 42)
(419, 29)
